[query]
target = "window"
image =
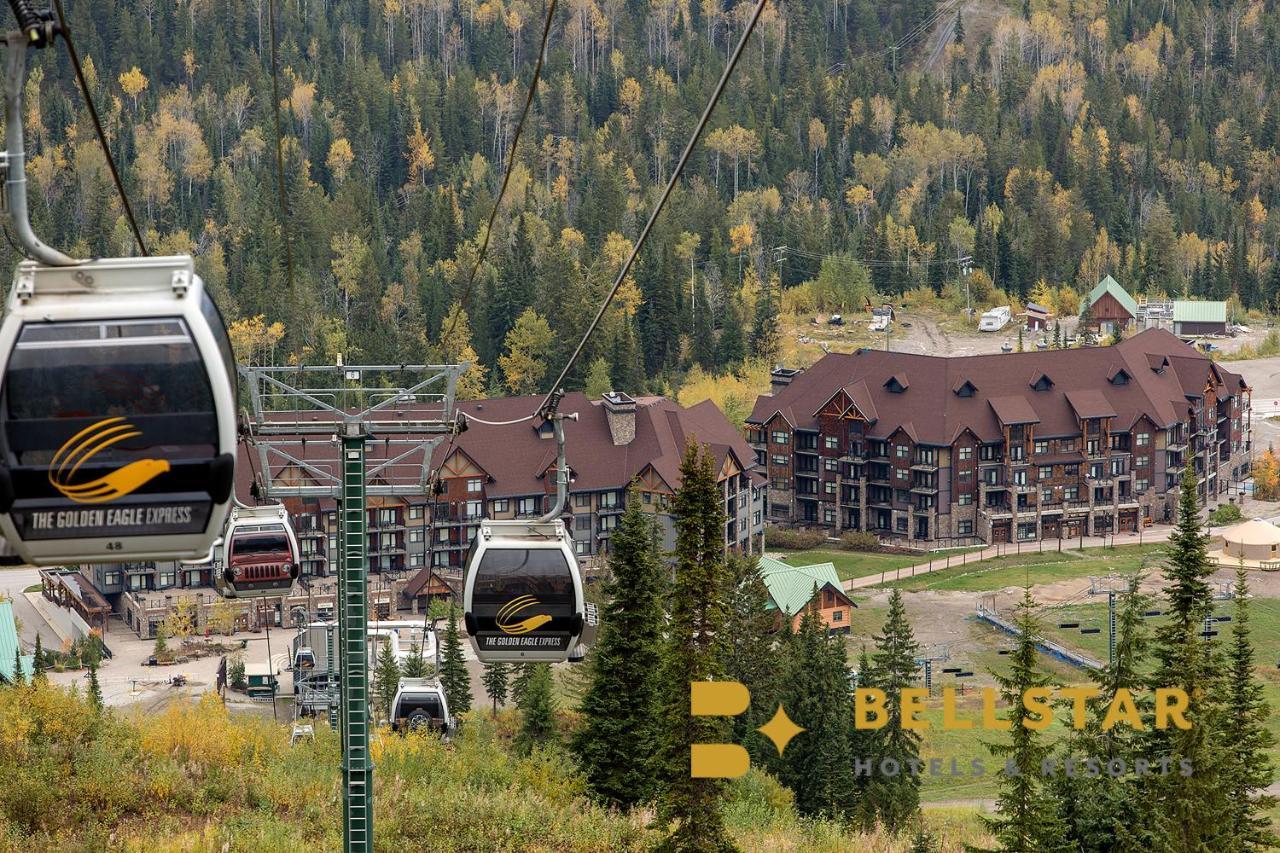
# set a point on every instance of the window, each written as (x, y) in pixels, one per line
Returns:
(1071, 493)
(647, 497)
(608, 522)
(779, 437)
(1121, 378)
(415, 536)
(527, 506)
(387, 542)
(828, 516)
(415, 561)
(474, 485)
(416, 512)
(1141, 486)
(964, 499)
(964, 528)
(1020, 477)
(830, 442)
(1142, 439)
(901, 496)
(755, 518)
(1027, 530)
(580, 500)
(609, 500)
(1141, 461)
(831, 464)
(1066, 445)
(581, 546)
(779, 460)
(1046, 472)
(386, 517)
(1044, 383)
(504, 505)
(1071, 470)
(900, 473)
(137, 582)
(167, 578)
(1017, 453)
(829, 487)
(966, 390)
(1046, 496)
(582, 522)
(1117, 467)
(1091, 446)
(964, 476)
(900, 524)
(1095, 471)
(900, 450)
(475, 509)
(966, 453)
(1041, 447)
(838, 616)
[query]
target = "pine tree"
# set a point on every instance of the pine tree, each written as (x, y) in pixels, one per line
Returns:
(415, 665)
(1188, 811)
(18, 678)
(749, 655)
(386, 678)
(495, 683)
(1094, 807)
(691, 807)
(730, 348)
(817, 765)
(95, 689)
(1246, 737)
(1027, 820)
(453, 669)
(1020, 345)
(764, 331)
(619, 711)
(37, 664)
(523, 672)
(896, 799)
(538, 709)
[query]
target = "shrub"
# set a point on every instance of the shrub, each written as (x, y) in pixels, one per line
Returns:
(793, 539)
(1226, 514)
(859, 540)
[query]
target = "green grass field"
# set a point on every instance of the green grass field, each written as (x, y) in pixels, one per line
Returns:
(858, 564)
(1034, 568)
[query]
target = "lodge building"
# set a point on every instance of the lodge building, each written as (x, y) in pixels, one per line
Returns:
(1000, 448)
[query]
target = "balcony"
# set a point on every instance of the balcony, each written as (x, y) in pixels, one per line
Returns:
(924, 466)
(997, 511)
(924, 488)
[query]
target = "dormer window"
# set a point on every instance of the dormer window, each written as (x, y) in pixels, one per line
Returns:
(546, 429)
(895, 386)
(1044, 383)
(966, 389)
(1120, 378)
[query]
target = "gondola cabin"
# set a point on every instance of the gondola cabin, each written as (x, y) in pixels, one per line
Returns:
(260, 553)
(523, 592)
(117, 413)
(420, 705)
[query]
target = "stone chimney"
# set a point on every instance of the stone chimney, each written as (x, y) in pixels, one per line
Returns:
(621, 413)
(781, 377)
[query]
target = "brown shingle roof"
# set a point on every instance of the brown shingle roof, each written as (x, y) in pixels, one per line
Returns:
(938, 415)
(1089, 402)
(1014, 410)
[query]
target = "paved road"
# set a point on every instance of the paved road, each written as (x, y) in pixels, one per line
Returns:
(12, 582)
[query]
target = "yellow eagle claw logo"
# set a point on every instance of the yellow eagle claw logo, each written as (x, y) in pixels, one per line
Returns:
(88, 443)
(508, 621)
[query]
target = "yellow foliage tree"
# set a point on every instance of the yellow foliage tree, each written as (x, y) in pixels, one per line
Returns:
(134, 83)
(456, 348)
(340, 159)
(528, 345)
(1266, 476)
(419, 154)
(253, 340)
(180, 622)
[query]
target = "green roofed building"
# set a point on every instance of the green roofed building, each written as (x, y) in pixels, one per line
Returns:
(1199, 318)
(9, 645)
(1111, 306)
(792, 593)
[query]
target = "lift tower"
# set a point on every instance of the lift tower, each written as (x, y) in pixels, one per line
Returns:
(349, 433)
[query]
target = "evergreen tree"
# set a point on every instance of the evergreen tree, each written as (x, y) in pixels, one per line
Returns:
(749, 655)
(1019, 339)
(817, 765)
(386, 679)
(95, 689)
(895, 799)
(618, 733)
(538, 709)
(415, 665)
(695, 633)
(1188, 811)
(1027, 820)
(730, 348)
(1246, 738)
(453, 669)
(18, 677)
(38, 659)
(523, 672)
(495, 683)
(765, 342)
